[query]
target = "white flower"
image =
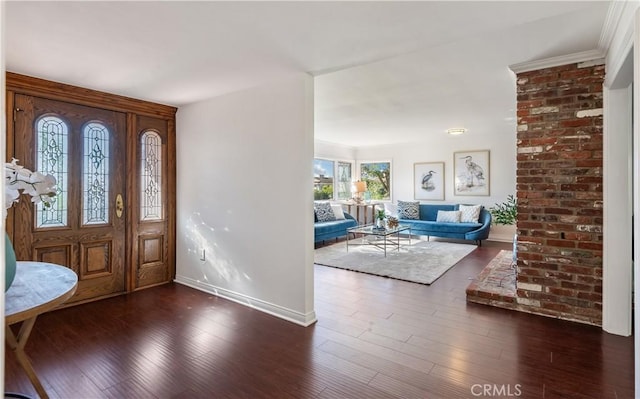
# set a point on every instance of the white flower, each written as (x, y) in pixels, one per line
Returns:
(20, 180)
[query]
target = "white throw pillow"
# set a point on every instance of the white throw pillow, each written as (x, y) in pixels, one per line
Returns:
(337, 211)
(470, 213)
(448, 216)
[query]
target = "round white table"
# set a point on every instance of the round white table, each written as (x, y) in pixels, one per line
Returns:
(37, 288)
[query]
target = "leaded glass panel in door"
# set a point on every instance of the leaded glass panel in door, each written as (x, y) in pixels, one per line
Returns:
(52, 157)
(151, 176)
(95, 174)
(84, 148)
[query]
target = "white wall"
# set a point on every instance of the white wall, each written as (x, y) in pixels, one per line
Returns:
(3, 144)
(241, 160)
(618, 211)
(328, 150)
(617, 262)
(621, 156)
(636, 189)
(502, 147)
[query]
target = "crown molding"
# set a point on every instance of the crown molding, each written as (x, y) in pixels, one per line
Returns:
(617, 56)
(589, 55)
(620, 45)
(611, 22)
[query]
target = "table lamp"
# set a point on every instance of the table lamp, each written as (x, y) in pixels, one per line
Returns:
(359, 188)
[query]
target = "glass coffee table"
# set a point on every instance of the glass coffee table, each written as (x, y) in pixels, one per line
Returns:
(379, 238)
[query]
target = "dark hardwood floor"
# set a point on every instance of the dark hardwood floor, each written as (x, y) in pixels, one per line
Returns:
(375, 338)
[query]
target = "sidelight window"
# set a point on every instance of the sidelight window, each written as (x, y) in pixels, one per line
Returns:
(151, 176)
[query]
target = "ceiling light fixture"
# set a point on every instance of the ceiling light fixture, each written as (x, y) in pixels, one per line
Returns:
(456, 131)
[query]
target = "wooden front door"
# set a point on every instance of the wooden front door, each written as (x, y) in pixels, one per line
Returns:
(84, 148)
(149, 211)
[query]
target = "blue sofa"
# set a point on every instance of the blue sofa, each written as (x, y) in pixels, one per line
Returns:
(334, 228)
(427, 225)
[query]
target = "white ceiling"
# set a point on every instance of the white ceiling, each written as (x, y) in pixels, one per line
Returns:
(385, 71)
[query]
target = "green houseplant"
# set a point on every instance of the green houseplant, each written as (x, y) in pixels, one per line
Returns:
(380, 215)
(506, 212)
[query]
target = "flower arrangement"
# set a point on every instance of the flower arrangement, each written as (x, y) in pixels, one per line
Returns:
(20, 180)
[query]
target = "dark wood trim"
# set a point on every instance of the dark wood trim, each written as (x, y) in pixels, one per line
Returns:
(10, 150)
(131, 253)
(171, 196)
(10, 146)
(79, 95)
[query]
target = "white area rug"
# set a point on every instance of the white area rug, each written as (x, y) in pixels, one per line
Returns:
(421, 262)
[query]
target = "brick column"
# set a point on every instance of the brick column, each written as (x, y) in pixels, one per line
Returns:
(559, 190)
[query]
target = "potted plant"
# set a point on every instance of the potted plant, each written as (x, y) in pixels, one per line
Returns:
(380, 215)
(505, 213)
(504, 217)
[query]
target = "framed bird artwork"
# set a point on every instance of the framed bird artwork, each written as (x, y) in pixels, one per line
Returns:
(428, 181)
(471, 172)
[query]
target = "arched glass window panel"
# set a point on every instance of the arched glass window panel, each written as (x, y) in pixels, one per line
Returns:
(95, 174)
(52, 157)
(151, 176)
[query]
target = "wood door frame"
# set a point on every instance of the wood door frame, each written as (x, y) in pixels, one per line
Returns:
(22, 84)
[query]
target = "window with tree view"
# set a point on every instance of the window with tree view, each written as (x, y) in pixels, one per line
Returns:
(331, 179)
(322, 179)
(377, 175)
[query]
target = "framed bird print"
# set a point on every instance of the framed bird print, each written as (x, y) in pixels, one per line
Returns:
(471, 173)
(428, 181)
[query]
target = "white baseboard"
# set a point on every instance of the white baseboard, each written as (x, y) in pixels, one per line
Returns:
(293, 316)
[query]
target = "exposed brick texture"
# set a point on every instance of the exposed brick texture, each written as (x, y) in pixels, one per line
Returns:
(559, 190)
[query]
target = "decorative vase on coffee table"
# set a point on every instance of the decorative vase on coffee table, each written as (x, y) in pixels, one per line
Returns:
(9, 263)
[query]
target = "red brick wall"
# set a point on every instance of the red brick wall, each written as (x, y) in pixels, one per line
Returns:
(559, 190)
